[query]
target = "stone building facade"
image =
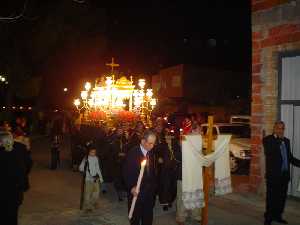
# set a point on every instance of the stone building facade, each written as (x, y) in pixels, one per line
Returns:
(275, 33)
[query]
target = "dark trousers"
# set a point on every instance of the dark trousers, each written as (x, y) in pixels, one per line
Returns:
(276, 197)
(143, 211)
(55, 159)
(10, 215)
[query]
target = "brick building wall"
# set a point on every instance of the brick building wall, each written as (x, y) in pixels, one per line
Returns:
(275, 29)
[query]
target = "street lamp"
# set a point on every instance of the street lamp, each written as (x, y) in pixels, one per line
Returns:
(3, 79)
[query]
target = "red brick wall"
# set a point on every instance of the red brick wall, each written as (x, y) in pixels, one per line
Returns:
(271, 33)
(265, 4)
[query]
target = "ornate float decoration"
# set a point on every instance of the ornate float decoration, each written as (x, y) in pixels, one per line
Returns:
(118, 98)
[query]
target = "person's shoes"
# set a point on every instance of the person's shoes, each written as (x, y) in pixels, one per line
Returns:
(280, 220)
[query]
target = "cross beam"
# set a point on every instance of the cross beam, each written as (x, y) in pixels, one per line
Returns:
(112, 64)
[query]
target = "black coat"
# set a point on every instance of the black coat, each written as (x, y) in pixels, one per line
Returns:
(24, 160)
(131, 170)
(117, 150)
(165, 171)
(12, 174)
(274, 158)
(178, 157)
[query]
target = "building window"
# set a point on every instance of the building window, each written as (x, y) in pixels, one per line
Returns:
(176, 81)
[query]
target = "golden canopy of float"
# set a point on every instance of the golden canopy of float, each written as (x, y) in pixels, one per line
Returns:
(110, 96)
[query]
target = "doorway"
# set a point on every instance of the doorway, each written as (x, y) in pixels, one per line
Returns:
(289, 108)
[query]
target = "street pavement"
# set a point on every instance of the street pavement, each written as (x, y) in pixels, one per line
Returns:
(53, 199)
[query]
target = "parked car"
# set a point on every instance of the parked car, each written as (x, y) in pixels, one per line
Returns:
(240, 152)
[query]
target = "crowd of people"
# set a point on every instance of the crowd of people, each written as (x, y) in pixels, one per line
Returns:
(106, 154)
(112, 147)
(121, 151)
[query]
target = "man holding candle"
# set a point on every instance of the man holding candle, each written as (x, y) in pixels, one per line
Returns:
(145, 190)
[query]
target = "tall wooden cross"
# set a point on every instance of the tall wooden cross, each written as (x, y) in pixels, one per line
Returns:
(207, 171)
(112, 64)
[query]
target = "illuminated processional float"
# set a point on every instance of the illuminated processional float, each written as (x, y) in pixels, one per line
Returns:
(111, 99)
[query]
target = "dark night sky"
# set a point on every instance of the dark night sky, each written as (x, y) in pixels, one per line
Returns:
(216, 35)
(61, 38)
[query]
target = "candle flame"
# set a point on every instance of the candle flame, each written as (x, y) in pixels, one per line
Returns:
(144, 162)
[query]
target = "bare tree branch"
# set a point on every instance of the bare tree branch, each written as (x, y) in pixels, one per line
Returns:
(12, 18)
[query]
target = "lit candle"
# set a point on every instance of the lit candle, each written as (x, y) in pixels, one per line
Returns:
(143, 164)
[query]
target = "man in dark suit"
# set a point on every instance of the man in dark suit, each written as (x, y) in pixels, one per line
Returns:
(278, 159)
(143, 212)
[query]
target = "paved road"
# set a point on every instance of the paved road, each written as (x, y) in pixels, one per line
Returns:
(54, 200)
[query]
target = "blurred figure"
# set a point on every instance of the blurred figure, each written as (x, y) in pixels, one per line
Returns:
(5, 126)
(25, 126)
(23, 152)
(136, 137)
(77, 147)
(186, 126)
(164, 167)
(55, 152)
(56, 139)
(118, 150)
(13, 176)
(196, 129)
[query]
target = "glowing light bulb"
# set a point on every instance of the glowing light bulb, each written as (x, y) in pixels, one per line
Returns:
(109, 81)
(87, 86)
(84, 95)
(142, 83)
(153, 102)
(149, 93)
(76, 102)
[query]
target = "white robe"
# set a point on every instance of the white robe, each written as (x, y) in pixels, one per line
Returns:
(192, 163)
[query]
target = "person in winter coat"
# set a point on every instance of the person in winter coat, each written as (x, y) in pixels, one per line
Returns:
(13, 176)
